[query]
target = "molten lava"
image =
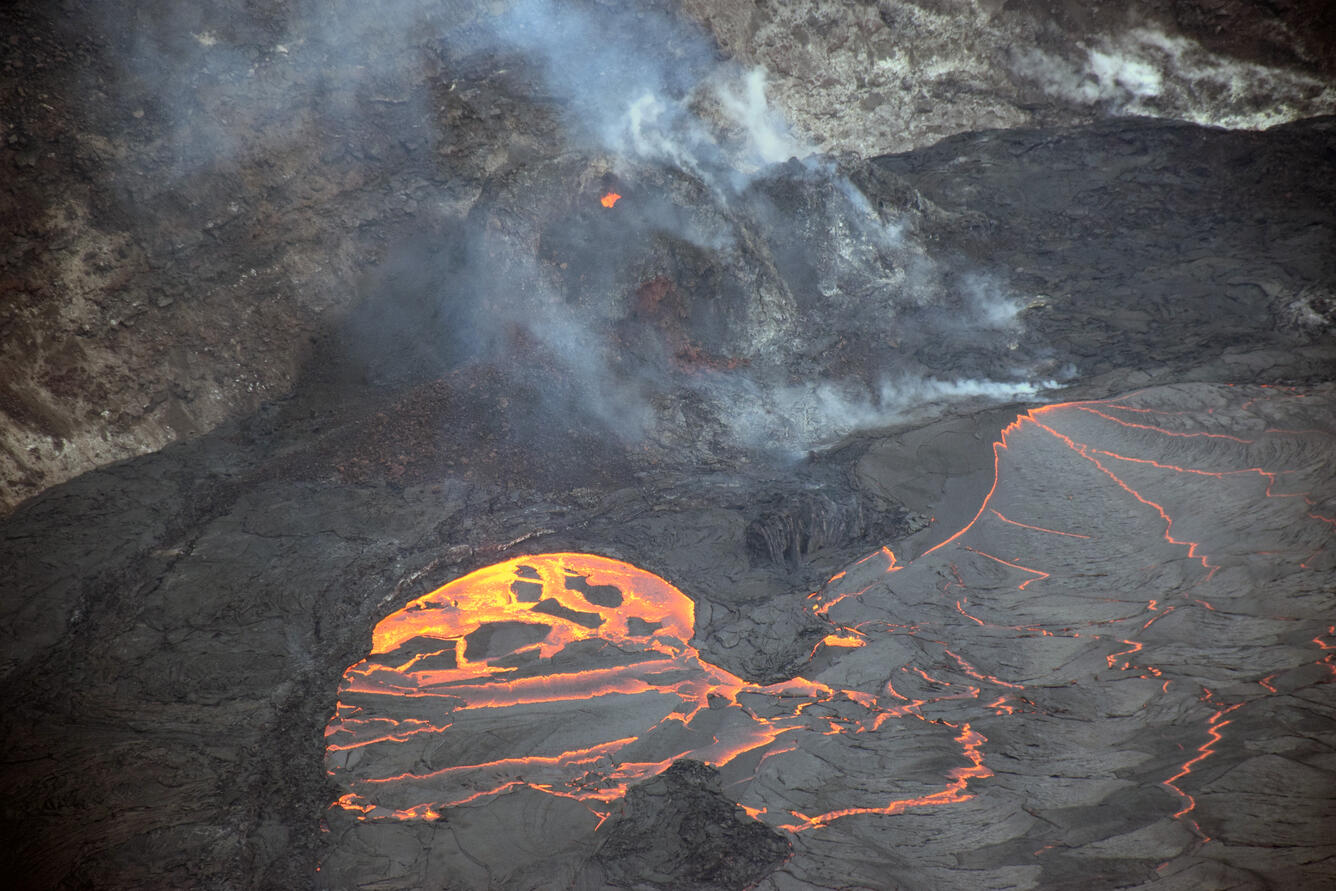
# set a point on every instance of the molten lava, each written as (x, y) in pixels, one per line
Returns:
(609, 199)
(574, 675)
(569, 674)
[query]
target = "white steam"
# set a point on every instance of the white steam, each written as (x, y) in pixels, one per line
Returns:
(990, 305)
(639, 82)
(1147, 72)
(768, 139)
(745, 135)
(650, 93)
(1112, 76)
(801, 417)
(640, 87)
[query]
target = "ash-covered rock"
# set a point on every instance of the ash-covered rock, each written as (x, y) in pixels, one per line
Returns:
(896, 75)
(208, 193)
(679, 830)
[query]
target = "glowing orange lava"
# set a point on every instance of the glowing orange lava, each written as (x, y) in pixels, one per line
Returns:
(609, 199)
(574, 675)
(1213, 732)
(971, 742)
(569, 674)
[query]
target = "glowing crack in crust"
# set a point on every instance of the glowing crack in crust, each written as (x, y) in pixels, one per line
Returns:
(1129, 454)
(570, 674)
(573, 674)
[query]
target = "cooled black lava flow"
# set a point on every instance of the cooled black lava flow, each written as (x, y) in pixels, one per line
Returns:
(794, 529)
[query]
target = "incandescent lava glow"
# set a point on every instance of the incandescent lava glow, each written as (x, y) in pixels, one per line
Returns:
(574, 675)
(568, 674)
(517, 644)
(609, 199)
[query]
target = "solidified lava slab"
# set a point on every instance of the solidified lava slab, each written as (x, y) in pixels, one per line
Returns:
(1135, 612)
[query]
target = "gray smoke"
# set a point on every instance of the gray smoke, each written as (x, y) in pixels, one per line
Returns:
(646, 89)
(780, 246)
(1147, 72)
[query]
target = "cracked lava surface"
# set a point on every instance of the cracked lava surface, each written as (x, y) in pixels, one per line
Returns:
(1094, 636)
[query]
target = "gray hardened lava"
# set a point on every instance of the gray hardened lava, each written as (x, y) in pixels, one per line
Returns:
(696, 836)
(686, 444)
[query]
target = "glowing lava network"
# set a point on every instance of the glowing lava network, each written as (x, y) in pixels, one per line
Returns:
(515, 644)
(574, 675)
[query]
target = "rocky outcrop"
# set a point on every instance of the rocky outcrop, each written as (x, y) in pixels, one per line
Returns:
(193, 199)
(894, 75)
(677, 833)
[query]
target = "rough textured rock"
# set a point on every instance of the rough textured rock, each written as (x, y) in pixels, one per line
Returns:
(195, 192)
(680, 831)
(892, 75)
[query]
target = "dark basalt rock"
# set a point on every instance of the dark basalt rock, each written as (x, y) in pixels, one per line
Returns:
(1129, 225)
(792, 530)
(679, 830)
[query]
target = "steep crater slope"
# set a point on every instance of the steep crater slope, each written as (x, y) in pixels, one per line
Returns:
(890, 75)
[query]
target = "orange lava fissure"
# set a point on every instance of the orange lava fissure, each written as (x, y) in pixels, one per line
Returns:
(520, 641)
(492, 642)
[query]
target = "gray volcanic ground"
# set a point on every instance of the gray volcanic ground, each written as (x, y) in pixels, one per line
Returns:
(704, 445)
